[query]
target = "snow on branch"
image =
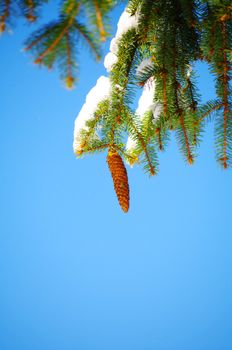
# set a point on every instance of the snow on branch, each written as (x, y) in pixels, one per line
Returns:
(97, 94)
(145, 104)
(125, 23)
(145, 64)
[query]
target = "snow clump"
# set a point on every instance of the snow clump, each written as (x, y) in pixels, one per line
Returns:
(98, 93)
(125, 23)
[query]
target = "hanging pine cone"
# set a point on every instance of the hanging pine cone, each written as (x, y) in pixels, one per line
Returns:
(119, 176)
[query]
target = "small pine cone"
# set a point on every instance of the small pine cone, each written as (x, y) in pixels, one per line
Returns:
(120, 179)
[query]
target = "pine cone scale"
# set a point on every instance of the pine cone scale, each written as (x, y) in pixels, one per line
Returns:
(120, 179)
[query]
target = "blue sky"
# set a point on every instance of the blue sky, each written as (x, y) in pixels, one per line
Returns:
(76, 272)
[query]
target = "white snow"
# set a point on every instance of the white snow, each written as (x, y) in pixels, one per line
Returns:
(145, 104)
(130, 145)
(157, 110)
(126, 22)
(110, 60)
(98, 93)
(119, 87)
(147, 62)
(189, 71)
(114, 46)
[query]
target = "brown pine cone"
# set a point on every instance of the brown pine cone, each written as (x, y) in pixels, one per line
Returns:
(120, 179)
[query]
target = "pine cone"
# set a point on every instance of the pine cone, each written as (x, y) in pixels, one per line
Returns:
(119, 176)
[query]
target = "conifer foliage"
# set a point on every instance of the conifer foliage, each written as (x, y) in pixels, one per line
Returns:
(56, 43)
(155, 48)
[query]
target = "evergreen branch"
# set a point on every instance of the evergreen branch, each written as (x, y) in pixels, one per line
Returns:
(120, 76)
(6, 10)
(69, 77)
(84, 137)
(70, 7)
(143, 145)
(91, 130)
(28, 9)
(133, 6)
(172, 35)
(31, 6)
(5, 15)
(87, 37)
(189, 88)
(165, 101)
(97, 15)
(179, 112)
(202, 114)
(116, 121)
(156, 132)
(206, 114)
(100, 21)
(225, 93)
(35, 41)
(54, 43)
(93, 149)
(124, 153)
(146, 74)
(160, 143)
(189, 153)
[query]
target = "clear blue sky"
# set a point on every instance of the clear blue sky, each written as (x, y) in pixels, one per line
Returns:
(75, 271)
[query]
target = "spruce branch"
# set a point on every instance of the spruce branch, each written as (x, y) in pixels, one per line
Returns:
(208, 109)
(219, 17)
(143, 145)
(160, 143)
(160, 51)
(30, 15)
(186, 140)
(90, 132)
(165, 100)
(162, 42)
(97, 14)
(185, 146)
(30, 8)
(57, 43)
(99, 21)
(53, 44)
(69, 77)
(226, 79)
(93, 149)
(88, 38)
(5, 12)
